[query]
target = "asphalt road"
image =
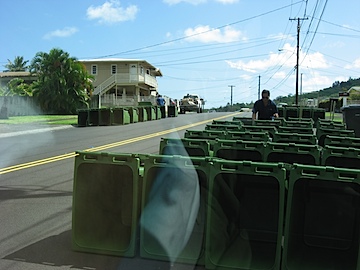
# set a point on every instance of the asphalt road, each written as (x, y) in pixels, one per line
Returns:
(36, 182)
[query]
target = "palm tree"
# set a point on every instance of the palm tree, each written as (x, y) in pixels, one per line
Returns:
(63, 83)
(18, 65)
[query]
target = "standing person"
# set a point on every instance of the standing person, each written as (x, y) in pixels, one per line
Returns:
(160, 101)
(265, 107)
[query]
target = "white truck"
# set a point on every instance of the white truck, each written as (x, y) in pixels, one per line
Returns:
(191, 103)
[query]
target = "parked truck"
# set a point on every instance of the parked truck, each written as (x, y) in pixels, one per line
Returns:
(191, 103)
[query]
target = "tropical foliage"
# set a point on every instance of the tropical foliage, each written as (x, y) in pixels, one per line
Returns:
(18, 65)
(63, 84)
(17, 87)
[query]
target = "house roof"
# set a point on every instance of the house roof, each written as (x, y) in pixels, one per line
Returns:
(356, 88)
(15, 74)
(117, 60)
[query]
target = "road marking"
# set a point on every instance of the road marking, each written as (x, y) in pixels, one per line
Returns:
(104, 147)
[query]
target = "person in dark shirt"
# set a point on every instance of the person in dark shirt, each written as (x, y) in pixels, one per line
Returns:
(160, 101)
(265, 107)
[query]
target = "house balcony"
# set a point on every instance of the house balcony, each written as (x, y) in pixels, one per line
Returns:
(125, 79)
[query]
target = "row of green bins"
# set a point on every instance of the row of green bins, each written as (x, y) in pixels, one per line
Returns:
(247, 136)
(245, 215)
(297, 124)
(205, 134)
(103, 117)
(302, 112)
(106, 203)
(342, 141)
(239, 150)
(94, 117)
(292, 153)
(172, 111)
(330, 124)
(185, 147)
(298, 138)
(322, 228)
(225, 127)
(343, 157)
(301, 119)
(174, 199)
(321, 133)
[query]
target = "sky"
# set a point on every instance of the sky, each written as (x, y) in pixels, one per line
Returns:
(223, 50)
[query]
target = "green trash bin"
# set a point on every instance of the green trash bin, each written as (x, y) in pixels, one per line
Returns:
(342, 141)
(247, 136)
(83, 115)
(291, 111)
(106, 117)
(143, 116)
(245, 215)
(291, 153)
(185, 147)
(106, 203)
(342, 157)
(172, 111)
(225, 127)
(239, 150)
(322, 225)
(121, 116)
(134, 114)
(94, 117)
(172, 186)
(351, 117)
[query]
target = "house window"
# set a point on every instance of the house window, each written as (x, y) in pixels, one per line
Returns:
(148, 71)
(113, 69)
(94, 69)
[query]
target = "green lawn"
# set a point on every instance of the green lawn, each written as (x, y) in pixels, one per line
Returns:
(42, 119)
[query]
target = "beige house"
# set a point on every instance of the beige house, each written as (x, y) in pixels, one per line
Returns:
(123, 82)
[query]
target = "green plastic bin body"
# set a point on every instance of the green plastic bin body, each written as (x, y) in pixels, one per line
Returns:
(270, 129)
(205, 134)
(143, 115)
(105, 203)
(321, 133)
(105, 117)
(351, 117)
(172, 111)
(322, 221)
(301, 130)
(291, 153)
(239, 150)
(83, 116)
(185, 147)
(298, 124)
(247, 136)
(225, 127)
(342, 157)
(245, 215)
(274, 122)
(134, 114)
(291, 112)
(245, 120)
(121, 116)
(318, 113)
(342, 141)
(294, 138)
(173, 185)
(94, 117)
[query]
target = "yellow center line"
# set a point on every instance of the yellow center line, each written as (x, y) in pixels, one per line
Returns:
(104, 147)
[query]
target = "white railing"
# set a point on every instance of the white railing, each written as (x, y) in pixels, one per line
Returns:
(110, 100)
(125, 78)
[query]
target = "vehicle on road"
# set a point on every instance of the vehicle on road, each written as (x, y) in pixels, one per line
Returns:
(191, 103)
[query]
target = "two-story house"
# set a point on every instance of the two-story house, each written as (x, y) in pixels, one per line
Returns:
(123, 82)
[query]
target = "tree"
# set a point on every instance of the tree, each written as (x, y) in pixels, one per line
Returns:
(17, 87)
(18, 65)
(63, 84)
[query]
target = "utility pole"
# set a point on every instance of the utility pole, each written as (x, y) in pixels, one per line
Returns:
(231, 87)
(297, 59)
(259, 88)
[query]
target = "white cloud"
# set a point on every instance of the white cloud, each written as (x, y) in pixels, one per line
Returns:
(227, 1)
(206, 34)
(193, 2)
(111, 12)
(355, 64)
(66, 32)
(285, 58)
